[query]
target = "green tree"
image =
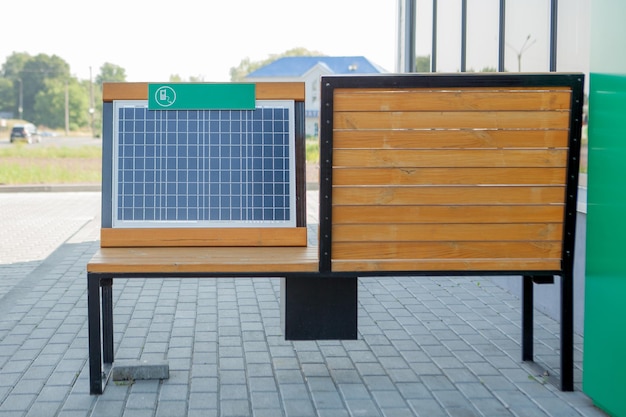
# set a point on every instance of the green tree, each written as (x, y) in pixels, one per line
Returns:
(50, 104)
(78, 104)
(422, 63)
(14, 64)
(34, 74)
(7, 95)
(95, 113)
(246, 66)
(110, 73)
(42, 81)
(28, 74)
(12, 71)
(176, 78)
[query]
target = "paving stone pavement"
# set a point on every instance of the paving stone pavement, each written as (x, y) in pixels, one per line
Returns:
(34, 225)
(427, 346)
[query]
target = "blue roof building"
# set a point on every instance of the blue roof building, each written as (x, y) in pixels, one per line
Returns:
(299, 66)
(309, 69)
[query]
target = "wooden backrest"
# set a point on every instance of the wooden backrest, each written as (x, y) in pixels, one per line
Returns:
(449, 173)
(212, 235)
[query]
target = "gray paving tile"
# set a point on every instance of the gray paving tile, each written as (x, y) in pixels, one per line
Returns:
(234, 408)
(388, 399)
(427, 346)
(331, 412)
(133, 412)
(106, 408)
(265, 399)
(267, 412)
(171, 409)
(363, 407)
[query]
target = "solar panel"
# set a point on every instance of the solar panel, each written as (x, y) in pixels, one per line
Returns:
(203, 168)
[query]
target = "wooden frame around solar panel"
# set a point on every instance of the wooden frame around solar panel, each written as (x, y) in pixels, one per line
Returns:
(190, 229)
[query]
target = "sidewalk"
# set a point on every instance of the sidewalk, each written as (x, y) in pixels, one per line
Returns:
(427, 346)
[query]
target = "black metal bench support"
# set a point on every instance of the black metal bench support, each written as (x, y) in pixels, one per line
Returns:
(567, 324)
(527, 318)
(567, 332)
(100, 321)
(321, 308)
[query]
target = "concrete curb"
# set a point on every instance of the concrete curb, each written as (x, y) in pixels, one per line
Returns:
(56, 188)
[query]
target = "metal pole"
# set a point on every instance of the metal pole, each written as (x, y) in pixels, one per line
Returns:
(406, 36)
(433, 52)
(92, 109)
(67, 108)
(501, 37)
(409, 43)
(20, 104)
(463, 35)
(554, 17)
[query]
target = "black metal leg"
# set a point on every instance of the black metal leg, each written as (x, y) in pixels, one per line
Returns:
(107, 319)
(567, 332)
(93, 318)
(527, 318)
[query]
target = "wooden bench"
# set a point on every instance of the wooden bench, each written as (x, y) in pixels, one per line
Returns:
(464, 174)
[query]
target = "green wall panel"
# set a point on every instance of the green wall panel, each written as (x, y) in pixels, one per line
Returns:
(604, 362)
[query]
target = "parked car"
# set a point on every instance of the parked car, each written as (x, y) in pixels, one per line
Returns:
(25, 133)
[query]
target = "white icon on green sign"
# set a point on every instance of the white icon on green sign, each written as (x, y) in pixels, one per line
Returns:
(165, 96)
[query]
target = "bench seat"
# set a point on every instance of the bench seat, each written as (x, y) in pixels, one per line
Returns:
(204, 260)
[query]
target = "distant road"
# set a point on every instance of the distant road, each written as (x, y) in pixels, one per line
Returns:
(59, 141)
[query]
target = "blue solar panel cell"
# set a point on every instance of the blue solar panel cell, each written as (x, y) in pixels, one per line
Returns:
(219, 166)
(216, 166)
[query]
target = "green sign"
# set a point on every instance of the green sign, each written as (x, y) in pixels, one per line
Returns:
(201, 96)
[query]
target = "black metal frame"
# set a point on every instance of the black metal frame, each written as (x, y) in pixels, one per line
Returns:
(574, 81)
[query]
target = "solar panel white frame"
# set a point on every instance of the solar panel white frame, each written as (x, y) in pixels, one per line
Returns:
(203, 168)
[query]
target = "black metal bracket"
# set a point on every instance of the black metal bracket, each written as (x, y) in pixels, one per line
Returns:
(100, 322)
(323, 308)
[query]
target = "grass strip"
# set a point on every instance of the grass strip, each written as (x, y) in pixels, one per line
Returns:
(23, 165)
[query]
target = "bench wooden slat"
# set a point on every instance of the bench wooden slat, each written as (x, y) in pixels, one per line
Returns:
(448, 176)
(448, 214)
(205, 260)
(426, 265)
(497, 158)
(454, 195)
(447, 232)
(258, 236)
(452, 99)
(446, 250)
(452, 120)
(450, 139)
